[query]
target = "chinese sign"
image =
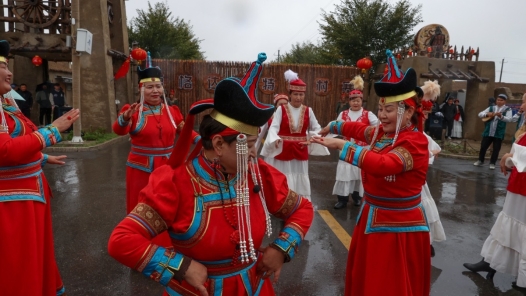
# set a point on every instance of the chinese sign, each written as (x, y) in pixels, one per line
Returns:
(210, 82)
(268, 85)
(185, 82)
(322, 86)
(346, 86)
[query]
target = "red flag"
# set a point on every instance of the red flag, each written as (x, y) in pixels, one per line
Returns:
(123, 70)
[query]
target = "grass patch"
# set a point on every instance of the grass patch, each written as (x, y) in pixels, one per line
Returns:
(91, 138)
(462, 148)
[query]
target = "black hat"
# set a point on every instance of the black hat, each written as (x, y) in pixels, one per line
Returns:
(4, 51)
(235, 102)
(150, 73)
(396, 86)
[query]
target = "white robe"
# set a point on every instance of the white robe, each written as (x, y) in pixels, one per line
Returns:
(296, 171)
(348, 176)
(505, 247)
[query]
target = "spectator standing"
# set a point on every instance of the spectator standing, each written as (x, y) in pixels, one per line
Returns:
(519, 116)
(458, 119)
(57, 99)
(25, 106)
(45, 105)
(496, 118)
(449, 111)
(172, 100)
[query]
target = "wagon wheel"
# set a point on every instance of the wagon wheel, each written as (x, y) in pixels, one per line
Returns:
(37, 13)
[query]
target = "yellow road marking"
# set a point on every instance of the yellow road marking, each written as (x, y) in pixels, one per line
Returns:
(342, 235)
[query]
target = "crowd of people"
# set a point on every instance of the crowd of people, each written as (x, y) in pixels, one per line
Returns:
(210, 190)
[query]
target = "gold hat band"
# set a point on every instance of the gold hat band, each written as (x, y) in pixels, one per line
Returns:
(234, 124)
(400, 97)
(3, 60)
(152, 79)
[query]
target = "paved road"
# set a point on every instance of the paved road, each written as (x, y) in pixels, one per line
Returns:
(89, 200)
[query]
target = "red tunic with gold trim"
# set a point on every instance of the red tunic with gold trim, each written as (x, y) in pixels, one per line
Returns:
(194, 203)
(27, 255)
(292, 135)
(389, 253)
(152, 141)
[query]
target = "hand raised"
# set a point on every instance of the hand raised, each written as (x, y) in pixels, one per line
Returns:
(65, 121)
(128, 113)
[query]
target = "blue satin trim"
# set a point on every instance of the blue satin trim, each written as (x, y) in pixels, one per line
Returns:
(161, 264)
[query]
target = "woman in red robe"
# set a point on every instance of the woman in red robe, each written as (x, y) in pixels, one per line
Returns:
(152, 125)
(216, 205)
(389, 253)
(27, 256)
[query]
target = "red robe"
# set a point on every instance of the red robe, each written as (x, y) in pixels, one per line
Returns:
(152, 141)
(199, 218)
(389, 253)
(27, 256)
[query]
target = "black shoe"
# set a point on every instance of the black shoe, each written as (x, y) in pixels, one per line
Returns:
(432, 251)
(340, 205)
(356, 199)
(481, 266)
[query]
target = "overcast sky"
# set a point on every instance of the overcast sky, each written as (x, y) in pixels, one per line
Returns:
(237, 30)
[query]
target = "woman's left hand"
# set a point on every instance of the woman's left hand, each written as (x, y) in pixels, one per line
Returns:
(503, 167)
(332, 143)
(270, 263)
(51, 159)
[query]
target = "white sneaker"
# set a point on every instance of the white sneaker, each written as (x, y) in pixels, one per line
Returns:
(449, 138)
(478, 163)
(491, 166)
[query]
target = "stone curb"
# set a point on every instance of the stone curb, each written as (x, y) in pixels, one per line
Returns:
(97, 147)
(456, 156)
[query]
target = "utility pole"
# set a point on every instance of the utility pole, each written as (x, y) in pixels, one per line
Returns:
(279, 59)
(75, 69)
(501, 66)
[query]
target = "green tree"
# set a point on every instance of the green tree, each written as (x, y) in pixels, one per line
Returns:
(163, 35)
(359, 28)
(305, 53)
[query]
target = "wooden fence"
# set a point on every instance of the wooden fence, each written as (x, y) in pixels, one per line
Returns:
(196, 80)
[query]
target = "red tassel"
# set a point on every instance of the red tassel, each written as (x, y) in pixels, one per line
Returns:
(123, 70)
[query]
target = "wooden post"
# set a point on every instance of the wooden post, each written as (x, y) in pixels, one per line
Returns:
(75, 71)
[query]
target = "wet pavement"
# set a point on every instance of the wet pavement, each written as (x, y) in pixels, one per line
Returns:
(89, 200)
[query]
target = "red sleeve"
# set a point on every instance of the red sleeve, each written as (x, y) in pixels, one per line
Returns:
(130, 242)
(16, 149)
(410, 149)
(295, 210)
(179, 122)
(121, 127)
(356, 130)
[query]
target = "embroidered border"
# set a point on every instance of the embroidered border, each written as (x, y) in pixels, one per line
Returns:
(149, 218)
(146, 257)
(405, 156)
(368, 134)
(290, 204)
(122, 122)
(301, 119)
